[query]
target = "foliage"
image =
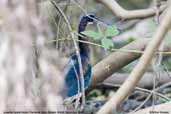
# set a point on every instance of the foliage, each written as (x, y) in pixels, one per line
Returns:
(103, 37)
(92, 34)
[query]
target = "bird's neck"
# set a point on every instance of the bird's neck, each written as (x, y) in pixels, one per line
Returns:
(84, 48)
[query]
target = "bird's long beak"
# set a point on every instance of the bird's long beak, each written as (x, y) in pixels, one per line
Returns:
(97, 21)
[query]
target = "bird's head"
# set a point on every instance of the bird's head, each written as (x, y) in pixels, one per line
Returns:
(89, 18)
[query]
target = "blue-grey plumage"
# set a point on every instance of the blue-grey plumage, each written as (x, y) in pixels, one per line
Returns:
(72, 79)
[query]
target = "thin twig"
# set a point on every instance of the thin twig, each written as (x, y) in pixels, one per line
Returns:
(77, 100)
(77, 50)
(57, 32)
(140, 89)
(142, 104)
(56, 25)
(164, 85)
(166, 70)
(85, 12)
(143, 90)
(101, 46)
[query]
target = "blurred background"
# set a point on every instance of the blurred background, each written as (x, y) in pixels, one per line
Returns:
(35, 45)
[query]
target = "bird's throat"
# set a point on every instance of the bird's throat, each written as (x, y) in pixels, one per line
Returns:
(84, 48)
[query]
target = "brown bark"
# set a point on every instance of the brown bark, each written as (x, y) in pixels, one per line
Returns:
(117, 60)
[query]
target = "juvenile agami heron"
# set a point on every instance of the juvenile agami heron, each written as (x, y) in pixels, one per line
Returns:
(71, 71)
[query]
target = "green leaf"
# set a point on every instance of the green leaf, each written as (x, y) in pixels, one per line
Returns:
(107, 43)
(152, 25)
(111, 31)
(167, 40)
(92, 34)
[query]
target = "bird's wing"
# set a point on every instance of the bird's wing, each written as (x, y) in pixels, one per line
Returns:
(72, 75)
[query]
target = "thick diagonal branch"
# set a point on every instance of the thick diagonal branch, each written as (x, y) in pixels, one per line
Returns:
(140, 68)
(119, 59)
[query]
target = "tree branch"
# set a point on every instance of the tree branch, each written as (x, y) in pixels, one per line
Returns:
(140, 68)
(107, 85)
(126, 14)
(117, 60)
(145, 82)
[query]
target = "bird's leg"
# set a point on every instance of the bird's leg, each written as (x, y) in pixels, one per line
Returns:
(78, 101)
(81, 104)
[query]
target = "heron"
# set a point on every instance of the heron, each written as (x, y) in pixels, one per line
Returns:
(71, 70)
